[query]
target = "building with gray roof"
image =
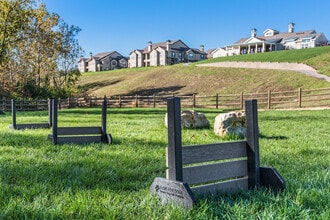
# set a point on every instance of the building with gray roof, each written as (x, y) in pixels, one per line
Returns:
(273, 40)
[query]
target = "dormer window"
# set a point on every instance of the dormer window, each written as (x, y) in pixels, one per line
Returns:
(270, 32)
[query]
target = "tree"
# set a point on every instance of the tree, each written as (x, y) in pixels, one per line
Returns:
(67, 57)
(38, 51)
(13, 20)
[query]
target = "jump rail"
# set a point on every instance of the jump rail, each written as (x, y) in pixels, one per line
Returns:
(212, 168)
(16, 126)
(79, 135)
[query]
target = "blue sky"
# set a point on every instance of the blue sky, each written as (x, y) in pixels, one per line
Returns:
(125, 25)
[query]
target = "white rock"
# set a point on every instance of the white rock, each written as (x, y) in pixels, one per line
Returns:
(230, 123)
(192, 119)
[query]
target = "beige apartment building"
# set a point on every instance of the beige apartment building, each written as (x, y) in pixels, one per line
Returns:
(102, 61)
(165, 53)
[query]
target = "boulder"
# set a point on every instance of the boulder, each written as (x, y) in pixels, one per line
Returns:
(231, 123)
(192, 119)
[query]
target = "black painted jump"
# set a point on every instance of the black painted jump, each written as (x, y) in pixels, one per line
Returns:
(16, 126)
(212, 168)
(79, 135)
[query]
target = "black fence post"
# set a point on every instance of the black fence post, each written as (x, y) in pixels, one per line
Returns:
(13, 113)
(252, 139)
(174, 151)
(104, 118)
(54, 121)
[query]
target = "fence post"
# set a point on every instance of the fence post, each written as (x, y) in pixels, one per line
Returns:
(4, 108)
(136, 101)
(252, 140)
(13, 113)
(50, 112)
(299, 97)
(119, 101)
(194, 100)
(174, 150)
(154, 100)
(54, 121)
(59, 104)
(241, 100)
(217, 101)
(104, 118)
(269, 99)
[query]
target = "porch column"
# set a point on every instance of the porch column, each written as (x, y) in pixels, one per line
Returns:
(263, 47)
(256, 50)
(249, 48)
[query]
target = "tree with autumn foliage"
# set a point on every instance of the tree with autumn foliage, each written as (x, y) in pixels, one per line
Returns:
(38, 51)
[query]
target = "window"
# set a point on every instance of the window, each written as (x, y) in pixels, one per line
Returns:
(173, 54)
(191, 55)
(114, 63)
(306, 45)
(202, 56)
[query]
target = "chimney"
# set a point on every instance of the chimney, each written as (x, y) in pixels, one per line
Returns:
(91, 55)
(253, 32)
(291, 27)
(149, 46)
(201, 48)
(168, 45)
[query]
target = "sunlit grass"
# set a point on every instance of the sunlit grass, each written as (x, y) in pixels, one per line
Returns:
(98, 181)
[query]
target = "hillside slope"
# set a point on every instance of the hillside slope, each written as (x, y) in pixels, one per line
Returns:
(187, 79)
(183, 80)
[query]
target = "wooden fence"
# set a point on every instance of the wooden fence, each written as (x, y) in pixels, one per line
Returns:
(266, 100)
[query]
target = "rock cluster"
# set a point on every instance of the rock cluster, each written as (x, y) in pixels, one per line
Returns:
(231, 123)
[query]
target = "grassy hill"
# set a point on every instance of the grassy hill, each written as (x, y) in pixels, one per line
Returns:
(182, 79)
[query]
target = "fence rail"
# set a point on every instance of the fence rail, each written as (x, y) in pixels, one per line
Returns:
(266, 100)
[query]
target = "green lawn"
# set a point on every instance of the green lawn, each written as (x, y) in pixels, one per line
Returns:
(97, 181)
(300, 56)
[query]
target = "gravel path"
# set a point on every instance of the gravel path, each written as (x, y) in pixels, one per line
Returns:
(298, 67)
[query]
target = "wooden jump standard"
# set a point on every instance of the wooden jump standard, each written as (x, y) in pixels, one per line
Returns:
(79, 135)
(212, 168)
(16, 126)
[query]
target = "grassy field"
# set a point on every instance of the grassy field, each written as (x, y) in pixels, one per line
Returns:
(98, 181)
(181, 79)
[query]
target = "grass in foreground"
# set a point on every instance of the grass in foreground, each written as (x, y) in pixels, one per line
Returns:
(97, 181)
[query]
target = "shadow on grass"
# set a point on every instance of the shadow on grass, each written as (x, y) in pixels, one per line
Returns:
(301, 117)
(170, 90)
(111, 111)
(279, 137)
(100, 84)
